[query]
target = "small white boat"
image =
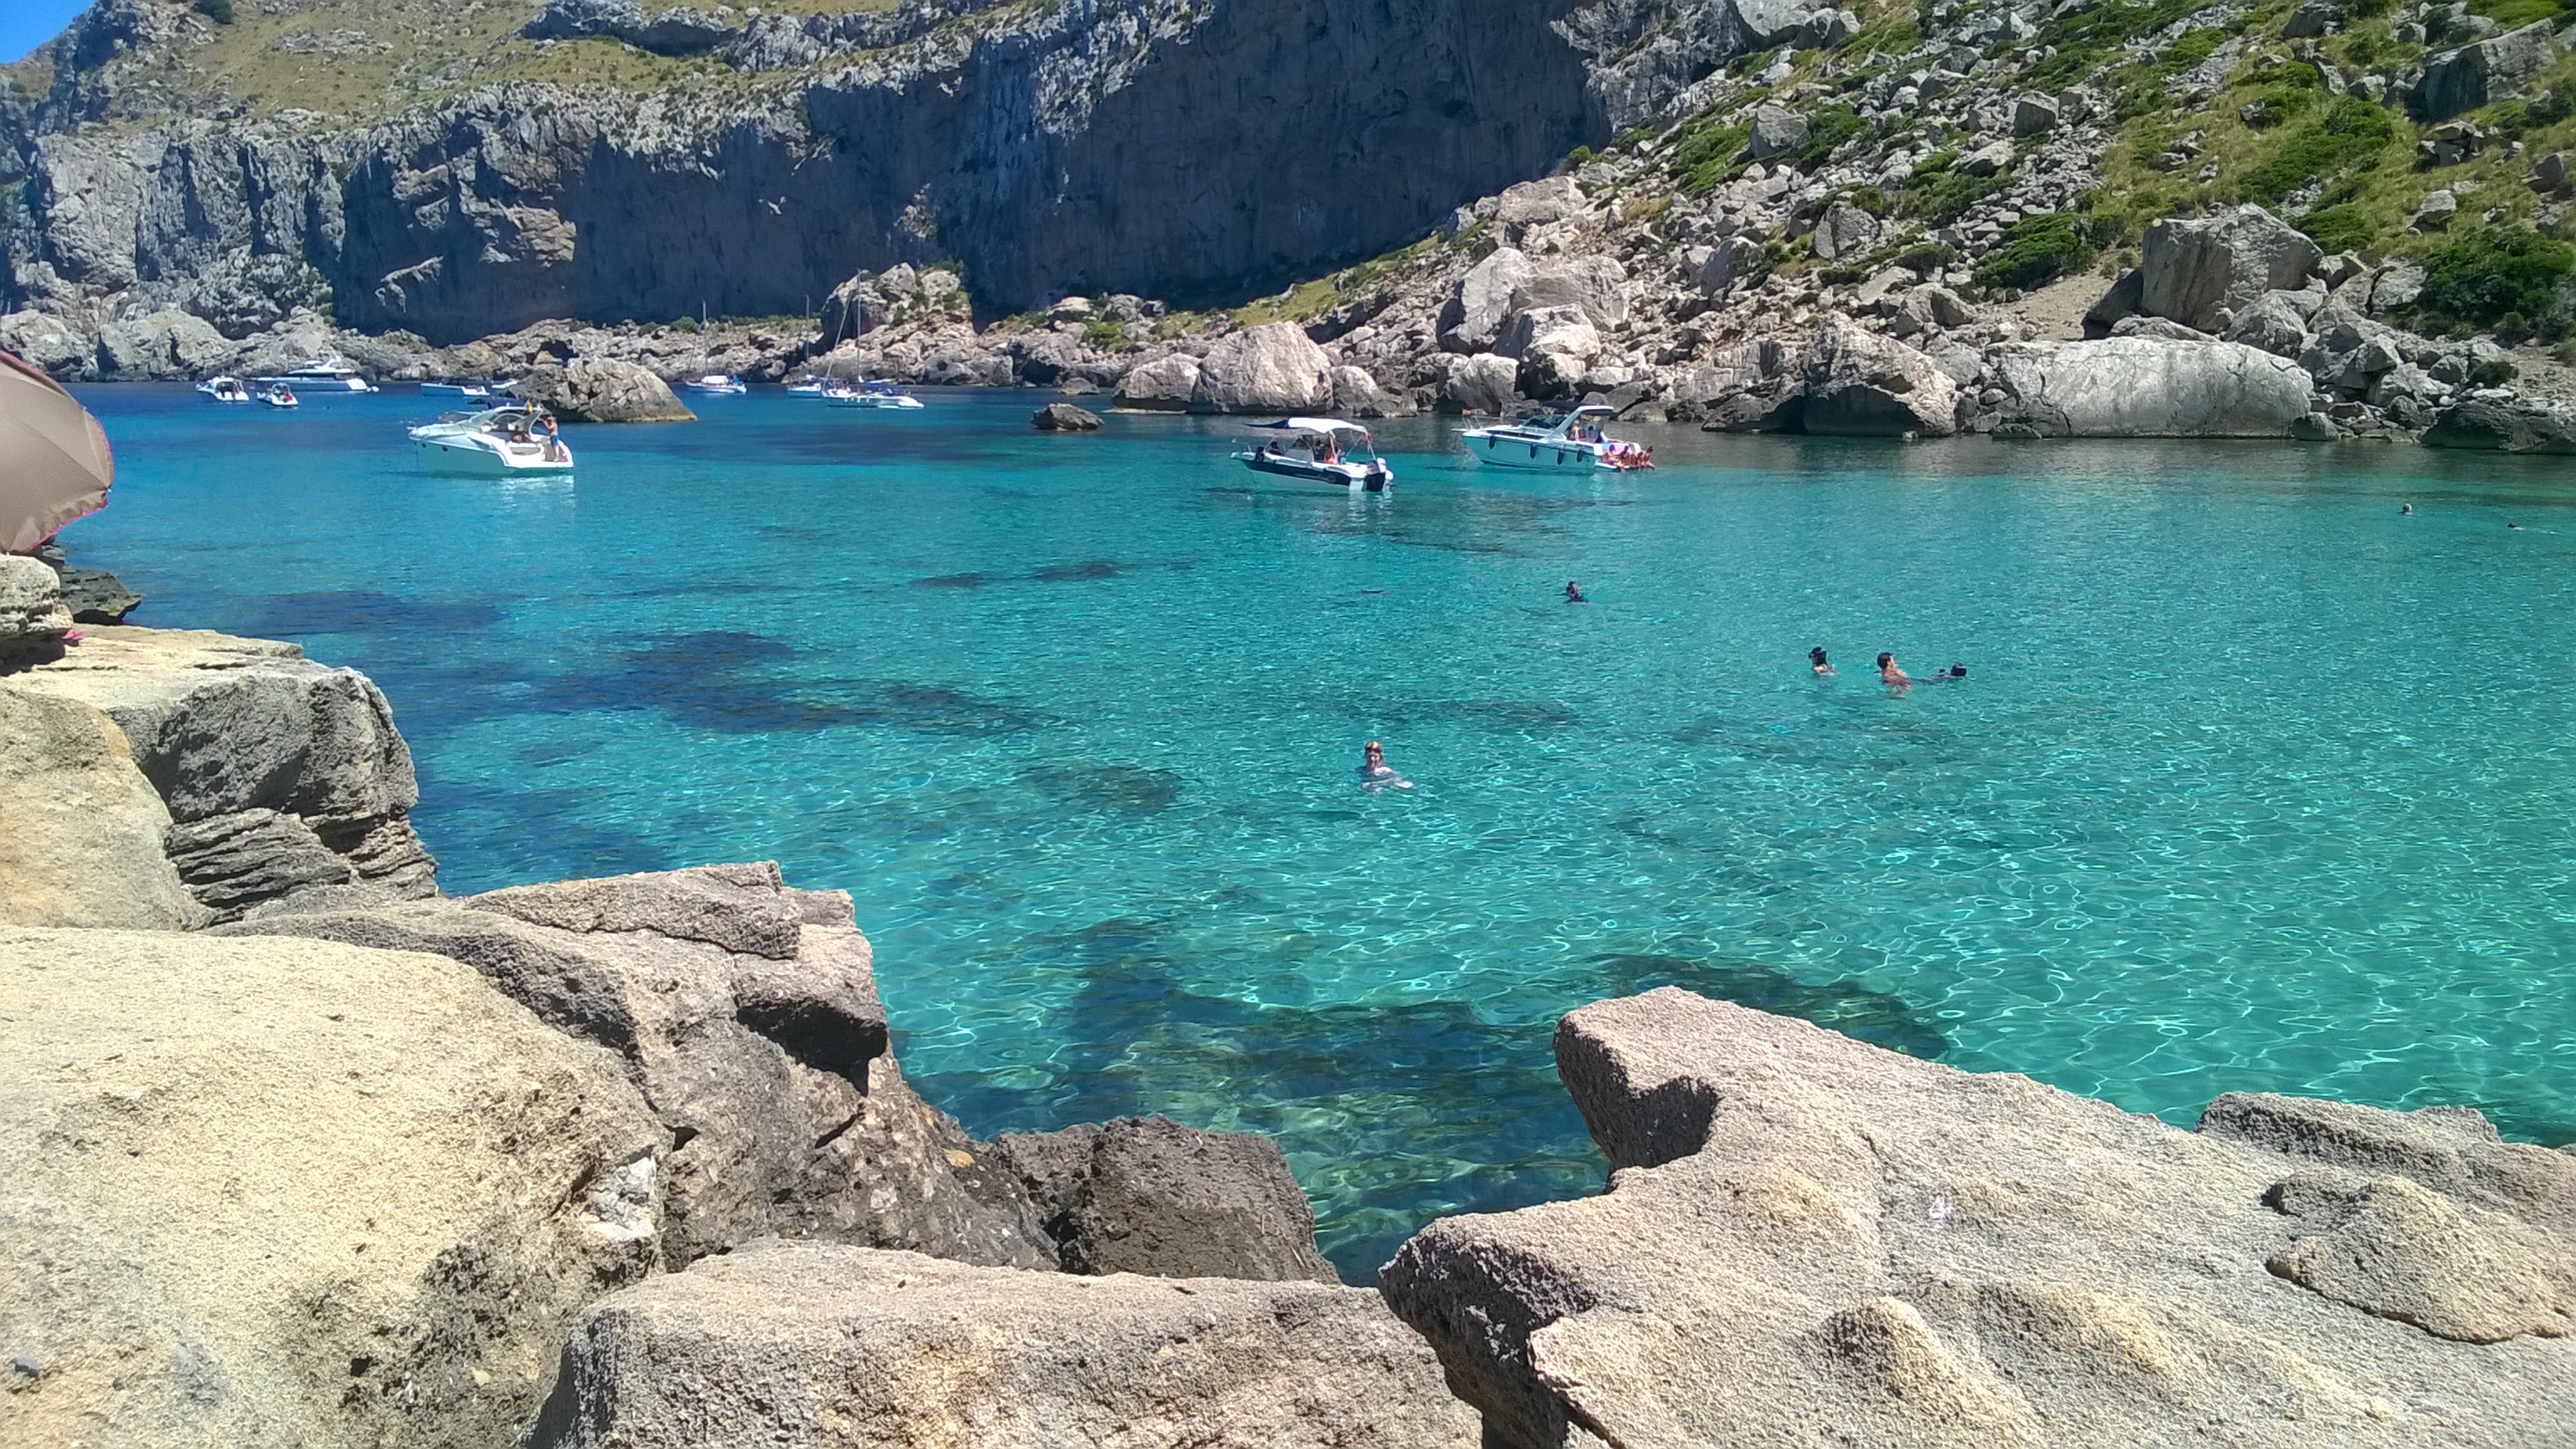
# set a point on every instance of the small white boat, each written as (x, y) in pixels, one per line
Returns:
(1557, 443)
(1319, 450)
(279, 395)
(328, 373)
(718, 382)
(493, 443)
(807, 387)
(467, 390)
(225, 390)
(870, 395)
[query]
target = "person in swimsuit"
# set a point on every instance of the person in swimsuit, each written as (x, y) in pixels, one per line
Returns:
(1374, 774)
(1894, 678)
(1818, 664)
(1574, 593)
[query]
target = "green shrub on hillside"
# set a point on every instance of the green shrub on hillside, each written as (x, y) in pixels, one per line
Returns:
(2037, 250)
(1827, 128)
(2340, 228)
(1704, 156)
(2351, 132)
(218, 11)
(2513, 280)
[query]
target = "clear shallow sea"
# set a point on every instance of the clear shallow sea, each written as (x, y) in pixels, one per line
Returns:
(2255, 784)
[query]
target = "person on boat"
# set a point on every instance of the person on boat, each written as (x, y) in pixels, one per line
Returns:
(1374, 773)
(1891, 676)
(1818, 664)
(1574, 593)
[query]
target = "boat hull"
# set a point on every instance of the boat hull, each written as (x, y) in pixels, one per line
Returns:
(445, 456)
(1533, 455)
(1368, 478)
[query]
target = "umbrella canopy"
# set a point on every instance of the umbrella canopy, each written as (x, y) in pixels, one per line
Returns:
(54, 463)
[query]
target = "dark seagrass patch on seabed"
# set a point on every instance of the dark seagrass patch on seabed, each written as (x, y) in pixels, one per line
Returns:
(366, 612)
(1132, 789)
(727, 681)
(1854, 1010)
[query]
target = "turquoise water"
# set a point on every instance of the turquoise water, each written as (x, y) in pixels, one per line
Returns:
(2255, 783)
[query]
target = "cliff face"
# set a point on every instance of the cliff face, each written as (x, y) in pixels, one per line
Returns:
(1180, 148)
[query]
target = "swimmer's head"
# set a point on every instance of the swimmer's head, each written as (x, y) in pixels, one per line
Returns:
(1816, 655)
(1885, 660)
(1958, 670)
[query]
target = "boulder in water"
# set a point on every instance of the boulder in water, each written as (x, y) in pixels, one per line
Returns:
(603, 390)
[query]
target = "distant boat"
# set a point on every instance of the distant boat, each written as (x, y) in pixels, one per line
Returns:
(870, 395)
(495, 442)
(458, 389)
(807, 387)
(279, 395)
(1319, 450)
(224, 390)
(326, 374)
(718, 382)
(1556, 443)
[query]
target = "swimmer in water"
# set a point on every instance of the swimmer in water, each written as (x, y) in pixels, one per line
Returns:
(1818, 664)
(1374, 774)
(1574, 593)
(2408, 509)
(2516, 527)
(1894, 678)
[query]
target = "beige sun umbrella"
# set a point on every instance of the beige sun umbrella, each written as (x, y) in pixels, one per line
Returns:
(54, 463)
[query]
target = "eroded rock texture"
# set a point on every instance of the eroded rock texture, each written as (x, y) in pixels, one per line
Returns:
(1809, 1241)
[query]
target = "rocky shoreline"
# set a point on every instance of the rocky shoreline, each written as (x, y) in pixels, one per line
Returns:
(300, 1150)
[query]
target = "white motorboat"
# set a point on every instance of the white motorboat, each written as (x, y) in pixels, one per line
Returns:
(467, 390)
(225, 390)
(495, 442)
(718, 382)
(870, 395)
(326, 374)
(807, 387)
(1319, 450)
(1569, 442)
(279, 395)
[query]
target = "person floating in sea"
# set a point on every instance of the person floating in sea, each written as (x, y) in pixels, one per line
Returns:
(1574, 593)
(1374, 774)
(1894, 678)
(2407, 509)
(1818, 664)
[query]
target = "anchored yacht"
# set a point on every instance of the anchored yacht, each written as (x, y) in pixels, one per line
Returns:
(326, 374)
(494, 443)
(1569, 442)
(1319, 450)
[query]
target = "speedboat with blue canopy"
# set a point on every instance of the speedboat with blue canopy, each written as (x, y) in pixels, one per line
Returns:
(1319, 450)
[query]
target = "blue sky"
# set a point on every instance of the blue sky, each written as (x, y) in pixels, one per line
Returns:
(26, 24)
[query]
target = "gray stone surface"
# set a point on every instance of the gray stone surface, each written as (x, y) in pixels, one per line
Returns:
(234, 861)
(2147, 387)
(1148, 1195)
(2190, 270)
(1860, 383)
(1065, 418)
(1809, 1241)
(1165, 384)
(80, 828)
(1274, 368)
(1481, 304)
(2476, 75)
(2501, 425)
(840, 1348)
(1482, 385)
(33, 619)
(748, 1014)
(94, 596)
(270, 1193)
(603, 390)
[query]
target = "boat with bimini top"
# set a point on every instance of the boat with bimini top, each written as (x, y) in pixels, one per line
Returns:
(224, 390)
(324, 375)
(494, 442)
(718, 382)
(870, 395)
(1319, 450)
(1569, 442)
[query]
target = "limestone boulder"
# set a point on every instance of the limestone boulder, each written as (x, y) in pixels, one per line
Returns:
(1594, 285)
(1776, 129)
(1481, 304)
(2503, 425)
(1357, 394)
(1536, 203)
(1728, 262)
(2271, 323)
(80, 828)
(1554, 347)
(50, 343)
(94, 596)
(2148, 387)
(33, 618)
(286, 1192)
(1148, 1195)
(1807, 1240)
(2491, 70)
(1164, 385)
(603, 390)
(1844, 231)
(1273, 368)
(1065, 418)
(1862, 384)
(812, 1344)
(2190, 270)
(1481, 385)
(747, 1013)
(222, 725)
(162, 346)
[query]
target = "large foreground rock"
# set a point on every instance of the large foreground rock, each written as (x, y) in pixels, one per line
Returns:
(842, 1348)
(603, 390)
(2190, 270)
(2149, 387)
(1275, 368)
(80, 828)
(292, 752)
(1809, 1241)
(1148, 1195)
(748, 1014)
(1840, 379)
(288, 1193)
(33, 617)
